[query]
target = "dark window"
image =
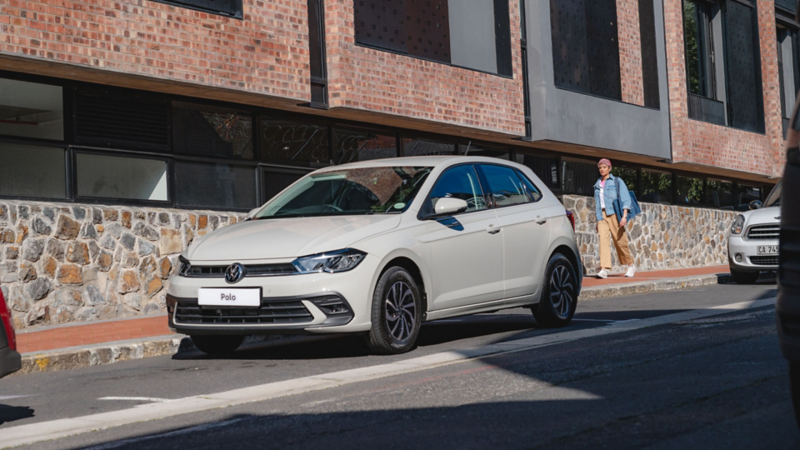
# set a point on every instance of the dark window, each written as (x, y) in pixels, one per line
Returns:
(294, 143)
(720, 194)
(31, 110)
(362, 145)
(745, 99)
(745, 195)
(585, 46)
(224, 7)
(628, 175)
(504, 185)
(690, 191)
(422, 147)
(32, 171)
(276, 179)
(545, 168)
(459, 182)
(207, 131)
(533, 192)
(647, 32)
(316, 49)
(788, 70)
(122, 177)
(698, 45)
(221, 186)
(579, 177)
(787, 5)
(656, 187)
(475, 34)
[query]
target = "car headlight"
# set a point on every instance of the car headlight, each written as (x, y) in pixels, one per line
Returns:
(738, 225)
(185, 266)
(331, 262)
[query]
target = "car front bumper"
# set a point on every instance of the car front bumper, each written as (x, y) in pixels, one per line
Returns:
(290, 304)
(751, 261)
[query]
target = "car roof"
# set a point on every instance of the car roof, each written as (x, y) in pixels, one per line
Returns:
(418, 161)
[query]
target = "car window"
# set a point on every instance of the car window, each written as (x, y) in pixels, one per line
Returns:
(774, 198)
(459, 182)
(533, 191)
(504, 185)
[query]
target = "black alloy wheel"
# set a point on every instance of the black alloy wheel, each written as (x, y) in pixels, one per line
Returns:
(396, 313)
(217, 345)
(559, 294)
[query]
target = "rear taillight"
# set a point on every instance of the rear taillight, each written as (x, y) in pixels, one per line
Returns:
(571, 218)
(8, 324)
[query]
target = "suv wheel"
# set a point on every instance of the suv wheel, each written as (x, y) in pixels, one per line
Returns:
(559, 300)
(396, 313)
(740, 277)
(217, 345)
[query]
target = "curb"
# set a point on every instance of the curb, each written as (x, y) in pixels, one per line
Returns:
(118, 351)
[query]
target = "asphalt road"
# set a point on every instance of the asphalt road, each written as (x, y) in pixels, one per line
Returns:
(714, 382)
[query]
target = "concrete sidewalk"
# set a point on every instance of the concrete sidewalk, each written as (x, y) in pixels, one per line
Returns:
(81, 345)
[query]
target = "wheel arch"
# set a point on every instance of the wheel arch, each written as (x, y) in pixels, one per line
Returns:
(413, 266)
(570, 251)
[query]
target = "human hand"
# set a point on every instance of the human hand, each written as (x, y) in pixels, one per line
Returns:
(623, 222)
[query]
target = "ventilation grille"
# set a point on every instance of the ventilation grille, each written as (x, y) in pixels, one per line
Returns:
(112, 118)
(764, 232)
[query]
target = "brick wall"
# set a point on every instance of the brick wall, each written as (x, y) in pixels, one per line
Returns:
(630, 51)
(265, 53)
(372, 80)
(702, 143)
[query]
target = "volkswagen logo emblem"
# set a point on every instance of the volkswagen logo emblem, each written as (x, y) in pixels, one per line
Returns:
(234, 273)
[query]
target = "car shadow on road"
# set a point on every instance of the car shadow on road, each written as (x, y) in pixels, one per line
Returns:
(10, 413)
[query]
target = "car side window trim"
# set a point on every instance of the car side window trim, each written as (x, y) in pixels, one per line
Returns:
(492, 203)
(524, 178)
(427, 207)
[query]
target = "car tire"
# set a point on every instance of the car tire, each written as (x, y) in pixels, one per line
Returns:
(794, 382)
(740, 277)
(559, 300)
(217, 345)
(396, 313)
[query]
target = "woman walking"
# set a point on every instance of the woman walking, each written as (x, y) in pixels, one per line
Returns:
(608, 189)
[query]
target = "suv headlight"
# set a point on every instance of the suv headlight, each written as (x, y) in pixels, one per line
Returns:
(738, 225)
(185, 267)
(331, 262)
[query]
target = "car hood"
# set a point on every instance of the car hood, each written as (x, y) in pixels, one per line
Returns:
(287, 238)
(764, 215)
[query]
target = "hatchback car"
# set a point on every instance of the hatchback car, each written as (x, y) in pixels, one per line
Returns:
(10, 360)
(753, 241)
(379, 247)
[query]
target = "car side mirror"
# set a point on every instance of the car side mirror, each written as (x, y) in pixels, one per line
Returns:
(756, 204)
(449, 206)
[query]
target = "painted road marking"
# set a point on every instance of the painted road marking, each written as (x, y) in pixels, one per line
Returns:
(137, 399)
(55, 429)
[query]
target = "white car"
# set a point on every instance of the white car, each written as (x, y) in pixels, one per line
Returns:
(753, 243)
(379, 247)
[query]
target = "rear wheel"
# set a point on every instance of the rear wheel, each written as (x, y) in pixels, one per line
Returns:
(740, 277)
(217, 345)
(396, 313)
(559, 295)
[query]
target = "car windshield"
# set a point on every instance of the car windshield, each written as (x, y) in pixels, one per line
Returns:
(774, 197)
(364, 190)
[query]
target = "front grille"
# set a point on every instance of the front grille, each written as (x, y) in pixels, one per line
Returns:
(282, 312)
(255, 270)
(764, 232)
(764, 260)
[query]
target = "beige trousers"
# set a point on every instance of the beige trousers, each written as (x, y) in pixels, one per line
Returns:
(609, 229)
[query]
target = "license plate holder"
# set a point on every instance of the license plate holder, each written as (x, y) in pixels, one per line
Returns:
(767, 250)
(230, 297)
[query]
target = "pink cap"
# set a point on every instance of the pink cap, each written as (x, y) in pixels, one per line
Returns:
(604, 161)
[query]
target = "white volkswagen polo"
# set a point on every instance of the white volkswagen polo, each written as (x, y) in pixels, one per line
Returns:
(379, 247)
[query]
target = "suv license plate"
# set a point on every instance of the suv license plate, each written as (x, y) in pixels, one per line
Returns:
(229, 297)
(767, 249)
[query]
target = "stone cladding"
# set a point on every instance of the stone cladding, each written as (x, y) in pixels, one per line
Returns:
(662, 237)
(73, 263)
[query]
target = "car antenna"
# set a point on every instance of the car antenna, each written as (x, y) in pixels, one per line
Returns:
(467, 152)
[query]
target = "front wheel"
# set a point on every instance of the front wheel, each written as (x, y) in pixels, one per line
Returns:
(217, 345)
(559, 295)
(740, 277)
(396, 313)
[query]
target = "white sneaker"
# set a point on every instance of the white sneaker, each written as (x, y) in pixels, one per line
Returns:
(602, 274)
(630, 272)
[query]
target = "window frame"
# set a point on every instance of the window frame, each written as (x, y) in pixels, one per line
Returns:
(426, 211)
(237, 14)
(489, 195)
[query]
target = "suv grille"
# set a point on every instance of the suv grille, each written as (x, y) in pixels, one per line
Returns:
(286, 312)
(764, 232)
(256, 270)
(764, 260)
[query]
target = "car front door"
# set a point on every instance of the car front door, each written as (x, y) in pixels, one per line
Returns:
(526, 233)
(466, 249)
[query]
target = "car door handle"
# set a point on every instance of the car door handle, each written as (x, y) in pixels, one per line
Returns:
(493, 229)
(541, 221)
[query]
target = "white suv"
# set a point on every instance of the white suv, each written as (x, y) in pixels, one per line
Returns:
(379, 247)
(753, 242)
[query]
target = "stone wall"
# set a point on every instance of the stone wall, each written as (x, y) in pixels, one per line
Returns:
(662, 237)
(71, 263)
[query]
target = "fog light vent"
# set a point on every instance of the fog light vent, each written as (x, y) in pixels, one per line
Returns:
(739, 258)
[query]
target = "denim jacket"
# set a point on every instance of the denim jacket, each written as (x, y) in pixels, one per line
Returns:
(610, 194)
